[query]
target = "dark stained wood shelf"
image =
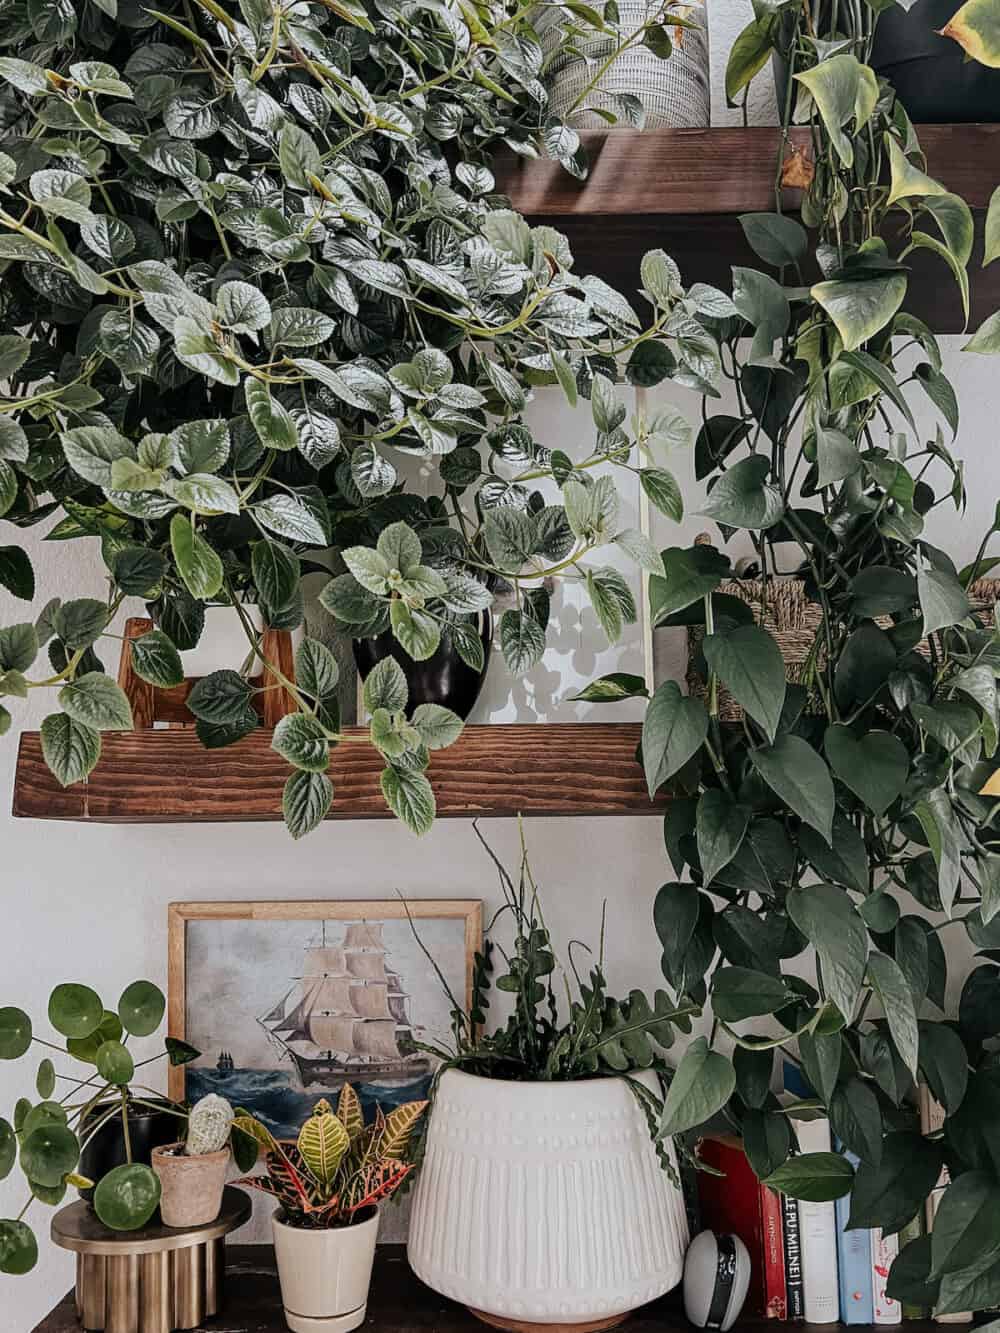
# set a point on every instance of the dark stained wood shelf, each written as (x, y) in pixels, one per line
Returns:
(399, 1303)
(681, 191)
(166, 776)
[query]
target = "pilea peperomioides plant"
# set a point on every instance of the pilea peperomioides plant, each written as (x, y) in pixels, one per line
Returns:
(252, 257)
(823, 842)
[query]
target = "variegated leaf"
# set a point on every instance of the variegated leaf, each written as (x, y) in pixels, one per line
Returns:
(398, 1127)
(323, 1141)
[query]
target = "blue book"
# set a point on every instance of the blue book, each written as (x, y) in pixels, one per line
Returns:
(854, 1264)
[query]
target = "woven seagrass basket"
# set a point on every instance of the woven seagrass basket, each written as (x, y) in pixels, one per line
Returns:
(794, 621)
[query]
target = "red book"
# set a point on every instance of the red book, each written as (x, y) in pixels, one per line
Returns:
(737, 1202)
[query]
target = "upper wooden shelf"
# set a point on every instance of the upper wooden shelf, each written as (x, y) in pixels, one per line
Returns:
(166, 776)
(681, 191)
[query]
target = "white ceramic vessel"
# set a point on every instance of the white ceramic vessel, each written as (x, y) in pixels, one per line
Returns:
(545, 1202)
(324, 1274)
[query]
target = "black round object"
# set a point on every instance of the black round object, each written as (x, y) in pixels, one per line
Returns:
(149, 1127)
(931, 76)
(442, 679)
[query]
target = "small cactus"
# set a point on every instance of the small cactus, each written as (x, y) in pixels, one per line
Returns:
(209, 1124)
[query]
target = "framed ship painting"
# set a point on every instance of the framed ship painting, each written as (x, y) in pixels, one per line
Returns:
(288, 1001)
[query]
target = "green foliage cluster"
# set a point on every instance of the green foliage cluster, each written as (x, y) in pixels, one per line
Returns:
(46, 1138)
(338, 1168)
(561, 1026)
(253, 257)
(824, 843)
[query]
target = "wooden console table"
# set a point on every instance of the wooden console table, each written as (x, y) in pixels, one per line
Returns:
(400, 1303)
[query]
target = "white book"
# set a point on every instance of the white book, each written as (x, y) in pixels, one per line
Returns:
(884, 1250)
(818, 1237)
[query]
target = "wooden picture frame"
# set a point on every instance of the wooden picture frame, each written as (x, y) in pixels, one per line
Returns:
(349, 938)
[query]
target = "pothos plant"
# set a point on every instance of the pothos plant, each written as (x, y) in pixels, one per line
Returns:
(252, 257)
(824, 843)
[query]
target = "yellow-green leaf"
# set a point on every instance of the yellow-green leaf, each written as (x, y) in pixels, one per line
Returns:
(991, 243)
(398, 1127)
(976, 28)
(349, 1111)
(907, 181)
(323, 1141)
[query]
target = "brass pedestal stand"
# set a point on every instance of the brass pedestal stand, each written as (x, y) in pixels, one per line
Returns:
(149, 1281)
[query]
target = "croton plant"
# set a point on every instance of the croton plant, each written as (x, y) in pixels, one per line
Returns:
(253, 258)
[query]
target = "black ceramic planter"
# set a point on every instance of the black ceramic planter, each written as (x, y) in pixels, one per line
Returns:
(442, 679)
(148, 1128)
(931, 76)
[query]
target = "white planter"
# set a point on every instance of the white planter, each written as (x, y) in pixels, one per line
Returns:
(675, 93)
(224, 644)
(545, 1202)
(324, 1274)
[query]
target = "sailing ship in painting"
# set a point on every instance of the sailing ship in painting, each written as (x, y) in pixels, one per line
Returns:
(345, 1018)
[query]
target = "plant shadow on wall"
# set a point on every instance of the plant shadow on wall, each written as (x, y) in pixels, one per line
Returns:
(838, 819)
(252, 255)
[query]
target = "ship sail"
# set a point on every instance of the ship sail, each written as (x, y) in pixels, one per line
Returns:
(350, 1009)
(364, 935)
(331, 1033)
(366, 966)
(371, 1001)
(377, 1038)
(324, 962)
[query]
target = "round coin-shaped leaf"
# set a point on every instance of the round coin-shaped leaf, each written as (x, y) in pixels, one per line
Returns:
(45, 1079)
(75, 1010)
(86, 1048)
(48, 1154)
(40, 1117)
(114, 1062)
(8, 1148)
(18, 1248)
(127, 1197)
(15, 1033)
(141, 1008)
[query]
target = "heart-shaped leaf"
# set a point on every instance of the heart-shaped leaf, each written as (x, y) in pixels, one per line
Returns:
(874, 767)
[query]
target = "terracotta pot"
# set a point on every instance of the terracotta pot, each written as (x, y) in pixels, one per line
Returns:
(324, 1273)
(544, 1203)
(191, 1186)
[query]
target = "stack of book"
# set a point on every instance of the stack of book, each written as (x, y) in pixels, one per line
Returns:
(805, 1264)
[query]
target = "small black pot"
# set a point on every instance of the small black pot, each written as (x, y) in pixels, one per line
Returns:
(442, 679)
(148, 1128)
(931, 76)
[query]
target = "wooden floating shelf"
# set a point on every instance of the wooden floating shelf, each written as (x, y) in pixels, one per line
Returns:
(167, 776)
(400, 1303)
(681, 191)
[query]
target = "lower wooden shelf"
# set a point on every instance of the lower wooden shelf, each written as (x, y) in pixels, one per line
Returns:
(400, 1303)
(167, 776)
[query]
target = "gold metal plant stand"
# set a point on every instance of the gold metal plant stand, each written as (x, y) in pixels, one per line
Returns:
(149, 1281)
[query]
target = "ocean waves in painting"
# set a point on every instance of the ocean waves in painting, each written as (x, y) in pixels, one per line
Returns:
(269, 1095)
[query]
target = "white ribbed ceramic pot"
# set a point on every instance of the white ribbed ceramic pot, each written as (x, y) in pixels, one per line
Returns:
(324, 1274)
(544, 1202)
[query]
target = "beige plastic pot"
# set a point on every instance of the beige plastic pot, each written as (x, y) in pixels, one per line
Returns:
(324, 1274)
(191, 1187)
